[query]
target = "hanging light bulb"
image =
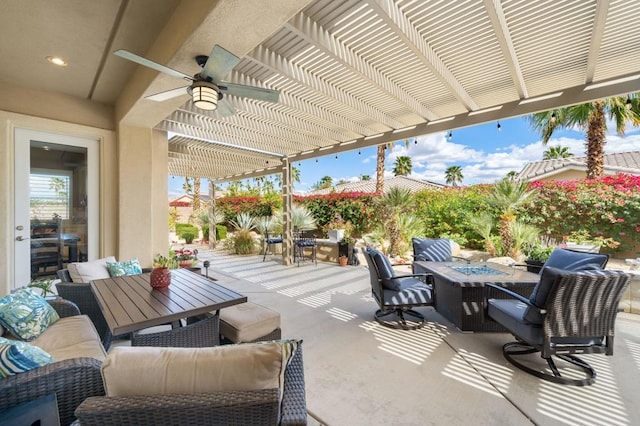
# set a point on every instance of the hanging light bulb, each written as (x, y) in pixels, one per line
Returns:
(358, 152)
(450, 135)
(415, 141)
(336, 157)
(628, 105)
(499, 127)
(553, 117)
(316, 160)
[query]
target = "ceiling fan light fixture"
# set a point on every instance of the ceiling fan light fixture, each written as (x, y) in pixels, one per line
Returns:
(205, 95)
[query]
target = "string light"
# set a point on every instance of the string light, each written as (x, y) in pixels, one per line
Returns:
(358, 152)
(415, 141)
(316, 160)
(450, 135)
(336, 157)
(499, 127)
(553, 117)
(628, 105)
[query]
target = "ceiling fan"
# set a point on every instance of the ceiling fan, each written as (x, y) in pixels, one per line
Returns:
(207, 89)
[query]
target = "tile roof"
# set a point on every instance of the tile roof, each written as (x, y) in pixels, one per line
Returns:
(414, 185)
(620, 162)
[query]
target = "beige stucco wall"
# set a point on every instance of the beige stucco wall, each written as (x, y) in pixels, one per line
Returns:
(565, 175)
(143, 188)
(108, 222)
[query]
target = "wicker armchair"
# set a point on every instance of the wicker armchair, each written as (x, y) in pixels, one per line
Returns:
(238, 407)
(568, 313)
(72, 380)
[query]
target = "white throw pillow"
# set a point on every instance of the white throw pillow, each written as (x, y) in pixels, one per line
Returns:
(250, 366)
(84, 272)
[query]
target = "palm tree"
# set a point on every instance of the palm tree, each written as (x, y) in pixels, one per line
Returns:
(511, 175)
(453, 175)
(591, 117)
(187, 185)
(391, 207)
(323, 183)
(365, 178)
(556, 152)
(196, 194)
(506, 196)
(402, 166)
(295, 177)
(380, 157)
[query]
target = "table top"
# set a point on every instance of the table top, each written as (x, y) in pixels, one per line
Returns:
(130, 304)
(465, 274)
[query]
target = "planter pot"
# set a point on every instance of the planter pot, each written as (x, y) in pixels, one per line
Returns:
(342, 260)
(160, 277)
(587, 248)
(336, 235)
(346, 250)
(534, 266)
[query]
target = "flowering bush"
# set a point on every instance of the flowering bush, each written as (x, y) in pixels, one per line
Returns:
(607, 207)
(352, 207)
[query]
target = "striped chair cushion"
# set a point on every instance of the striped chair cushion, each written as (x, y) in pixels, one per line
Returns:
(433, 250)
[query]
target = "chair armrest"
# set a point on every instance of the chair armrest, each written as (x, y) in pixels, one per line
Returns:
(72, 380)
(64, 308)
(511, 294)
(294, 406)
(427, 278)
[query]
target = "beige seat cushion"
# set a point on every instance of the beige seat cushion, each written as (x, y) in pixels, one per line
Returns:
(84, 272)
(152, 370)
(71, 337)
(247, 321)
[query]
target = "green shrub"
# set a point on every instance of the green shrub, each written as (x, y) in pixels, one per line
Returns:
(181, 227)
(221, 232)
(188, 236)
(205, 231)
(243, 242)
(355, 207)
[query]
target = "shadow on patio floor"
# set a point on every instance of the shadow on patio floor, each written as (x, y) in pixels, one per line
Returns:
(360, 373)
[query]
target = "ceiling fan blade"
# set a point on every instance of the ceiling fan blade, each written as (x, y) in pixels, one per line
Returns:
(168, 94)
(219, 64)
(252, 92)
(224, 108)
(150, 64)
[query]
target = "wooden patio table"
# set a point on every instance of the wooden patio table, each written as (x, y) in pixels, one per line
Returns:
(460, 294)
(130, 304)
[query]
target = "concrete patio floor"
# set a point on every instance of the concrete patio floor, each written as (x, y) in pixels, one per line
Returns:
(360, 373)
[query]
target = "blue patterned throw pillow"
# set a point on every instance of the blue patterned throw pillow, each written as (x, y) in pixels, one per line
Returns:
(119, 269)
(25, 314)
(17, 357)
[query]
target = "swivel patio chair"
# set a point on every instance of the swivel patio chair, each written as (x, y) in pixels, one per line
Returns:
(568, 313)
(433, 250)
(397, 295)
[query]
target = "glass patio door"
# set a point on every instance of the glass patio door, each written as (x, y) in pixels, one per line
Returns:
(56, 203)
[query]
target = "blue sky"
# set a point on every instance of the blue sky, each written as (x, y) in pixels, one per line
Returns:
(484, 153)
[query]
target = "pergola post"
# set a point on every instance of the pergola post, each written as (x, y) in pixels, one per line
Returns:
(212, 215)
(287, 226)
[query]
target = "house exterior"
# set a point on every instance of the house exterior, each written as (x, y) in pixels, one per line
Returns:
(414, 185)
(575, 168)
(329, 61)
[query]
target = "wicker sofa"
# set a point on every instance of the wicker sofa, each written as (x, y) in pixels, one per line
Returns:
(75, 345)
(248, 407)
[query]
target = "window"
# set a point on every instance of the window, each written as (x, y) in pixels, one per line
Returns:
(50, 194)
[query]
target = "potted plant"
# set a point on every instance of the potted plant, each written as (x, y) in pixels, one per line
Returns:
(336, 229)
(345, 248)
(161, 272)
(186, 258)
(583, 241)
(43, 285)
(536, 254)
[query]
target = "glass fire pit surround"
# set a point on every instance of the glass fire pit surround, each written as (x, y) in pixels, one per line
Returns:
(477, 270)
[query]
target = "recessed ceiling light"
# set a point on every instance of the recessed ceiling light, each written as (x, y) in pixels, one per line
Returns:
(55, 60)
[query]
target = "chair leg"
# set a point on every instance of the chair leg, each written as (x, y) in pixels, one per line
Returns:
(512, 349)
(401, 323)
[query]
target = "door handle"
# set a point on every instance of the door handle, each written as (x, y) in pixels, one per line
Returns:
(21, 238)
